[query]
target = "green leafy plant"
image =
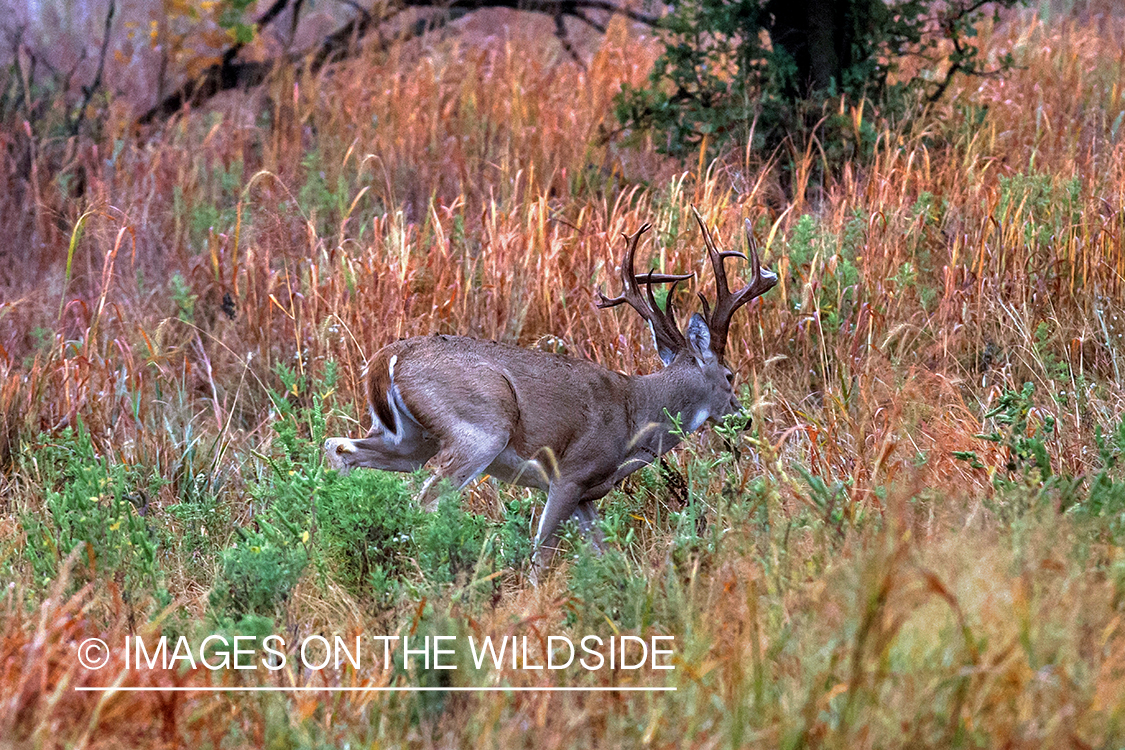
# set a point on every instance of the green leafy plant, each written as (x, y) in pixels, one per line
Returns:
(96, 506)
(824, 267)
(1104, 498)
(1023, 441)
(184, 298)
(257, 574)
(365, 525)
(1025, 450)
(747, 70)
(608, 587)
(451, 541)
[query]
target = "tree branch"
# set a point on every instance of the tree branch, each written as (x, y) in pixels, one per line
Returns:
(230, 74)
(89, 91)
(223, 76)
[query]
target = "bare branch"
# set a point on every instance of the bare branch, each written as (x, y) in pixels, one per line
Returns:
(89, 91)
(229, 73)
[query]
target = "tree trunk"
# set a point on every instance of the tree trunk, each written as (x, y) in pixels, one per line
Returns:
(816, 35)
(824, 38)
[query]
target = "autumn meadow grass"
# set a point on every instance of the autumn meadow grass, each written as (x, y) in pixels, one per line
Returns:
(918, 541)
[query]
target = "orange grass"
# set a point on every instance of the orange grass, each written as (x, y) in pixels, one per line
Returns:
(468, 188)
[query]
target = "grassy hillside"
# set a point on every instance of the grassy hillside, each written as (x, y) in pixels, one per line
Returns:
(918, 541)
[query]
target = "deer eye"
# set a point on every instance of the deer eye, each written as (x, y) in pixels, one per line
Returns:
(730, 377)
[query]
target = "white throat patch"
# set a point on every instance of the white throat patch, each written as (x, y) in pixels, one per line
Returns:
(698, 420)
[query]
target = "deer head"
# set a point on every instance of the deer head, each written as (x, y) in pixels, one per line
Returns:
(700, 355)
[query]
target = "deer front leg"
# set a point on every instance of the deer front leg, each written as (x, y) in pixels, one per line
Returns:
(588, 521)
(562, 502)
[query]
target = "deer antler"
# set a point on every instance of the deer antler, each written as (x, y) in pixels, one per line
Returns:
(718, 320)
(663, 322)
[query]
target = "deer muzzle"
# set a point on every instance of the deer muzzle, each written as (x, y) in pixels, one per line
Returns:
(336, 451)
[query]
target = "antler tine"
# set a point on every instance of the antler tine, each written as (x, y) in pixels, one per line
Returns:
(764, 279)
(628, 277)
(652, 277)
(726, 303)
(668, 315)
(663, 323)
(668, 309)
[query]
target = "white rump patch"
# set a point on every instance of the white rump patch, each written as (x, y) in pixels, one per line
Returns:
(393, 403)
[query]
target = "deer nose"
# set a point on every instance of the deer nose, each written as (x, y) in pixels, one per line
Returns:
(334, 451)
(338, 446)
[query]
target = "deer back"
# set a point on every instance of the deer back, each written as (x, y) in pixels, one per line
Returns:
(541, 400)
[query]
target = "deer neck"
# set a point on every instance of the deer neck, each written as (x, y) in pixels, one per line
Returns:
(659, 401)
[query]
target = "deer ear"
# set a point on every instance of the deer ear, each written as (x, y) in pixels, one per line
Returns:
(666, 354)
(699, 339)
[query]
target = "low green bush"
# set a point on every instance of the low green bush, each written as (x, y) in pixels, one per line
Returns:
(93, 505)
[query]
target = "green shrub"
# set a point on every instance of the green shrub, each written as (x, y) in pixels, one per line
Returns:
(1105, 498)
(451, 541)
(1024, 443)
(95, 505)
(365, 523)
(744, 71)
(511, 547)
(256, 575)
(609, 588)
(376, 539)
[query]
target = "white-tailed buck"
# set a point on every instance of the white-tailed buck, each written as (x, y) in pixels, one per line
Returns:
(568, 426)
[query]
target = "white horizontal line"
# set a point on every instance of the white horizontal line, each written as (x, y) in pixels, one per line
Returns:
(262, 689)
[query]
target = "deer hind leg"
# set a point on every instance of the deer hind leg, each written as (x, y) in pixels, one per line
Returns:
(403, 446)
(462, 461)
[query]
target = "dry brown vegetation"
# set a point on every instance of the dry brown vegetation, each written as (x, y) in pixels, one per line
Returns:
(846, 580)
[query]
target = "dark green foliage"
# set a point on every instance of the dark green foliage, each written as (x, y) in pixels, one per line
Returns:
(320, 197)
(609, 587)
(212, 210)
(732, 69)
(1046, 206)
(450, 542)
(1029, 480)
(365, 522)
(378, 542)
(258, 573)
(1025, 447)
(1106, 495)
(511, 548)
(831, 500)
(203, 522)
(825, 265)
(364, 529)
(97, 507)
(1025, 452)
